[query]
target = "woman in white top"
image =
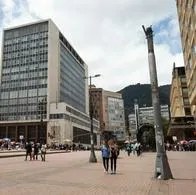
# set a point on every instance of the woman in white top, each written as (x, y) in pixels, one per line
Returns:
(43, 152)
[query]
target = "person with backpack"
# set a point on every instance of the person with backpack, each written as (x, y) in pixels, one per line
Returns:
(113, 157)
(105, 150)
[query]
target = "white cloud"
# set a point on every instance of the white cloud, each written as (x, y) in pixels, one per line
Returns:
(7, 7)
(108, 35)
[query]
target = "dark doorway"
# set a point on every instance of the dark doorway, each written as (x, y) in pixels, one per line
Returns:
(146, 136)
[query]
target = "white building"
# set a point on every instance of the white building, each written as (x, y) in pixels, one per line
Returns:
(146, 115)
(44, 95)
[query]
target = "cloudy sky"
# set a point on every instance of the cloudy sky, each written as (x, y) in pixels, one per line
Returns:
(108, 35)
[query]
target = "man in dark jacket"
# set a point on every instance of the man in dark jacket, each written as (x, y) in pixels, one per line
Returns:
(28, 148)
(36, 151)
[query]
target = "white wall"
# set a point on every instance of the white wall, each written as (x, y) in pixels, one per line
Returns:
(53, 64)
(63, 130)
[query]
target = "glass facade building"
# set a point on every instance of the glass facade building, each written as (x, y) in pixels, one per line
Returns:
(71, 71)
(40, 68)
(24, 72)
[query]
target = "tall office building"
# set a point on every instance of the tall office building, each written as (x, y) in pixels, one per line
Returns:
(97, 95)
(44, 95)
(115, 118)
(187, 21)
(179, 101)
(109, 110)
(181, 123)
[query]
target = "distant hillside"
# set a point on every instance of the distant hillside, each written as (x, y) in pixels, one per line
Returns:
(142, 92)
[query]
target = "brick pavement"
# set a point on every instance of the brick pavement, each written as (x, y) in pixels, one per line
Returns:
(71, 173)
(11, 153)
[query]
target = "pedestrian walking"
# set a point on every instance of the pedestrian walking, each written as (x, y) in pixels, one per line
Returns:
(105, 150)
(133, 148)
(128, 148)
(113, 157)
(43, 152)
(32, 153)
(28, 148)
(138, 148)
(36, 151)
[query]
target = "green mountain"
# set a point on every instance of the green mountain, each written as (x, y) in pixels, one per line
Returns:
(142, 93)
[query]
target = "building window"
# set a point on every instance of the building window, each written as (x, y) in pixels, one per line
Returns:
(186, 101)
(189, 63)
(184, 91)
(4, 95)
(32, 92)
(187, 111)
(23, 93)
(13, 94)
(193, 48)
(183, 80)
(42, 91)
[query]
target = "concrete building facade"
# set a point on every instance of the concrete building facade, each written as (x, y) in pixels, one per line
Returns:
(145, 115)
(179, 99)
(181, 123)
(42, 85)
(109, 110)
(187, 21)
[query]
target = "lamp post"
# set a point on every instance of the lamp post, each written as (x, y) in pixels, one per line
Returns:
(41, 104)
(162, 168)
(136, 108)
(92, 158)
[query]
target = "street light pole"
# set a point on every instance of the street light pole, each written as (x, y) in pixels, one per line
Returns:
(136, 108)
(92, 158)
(42, 105)
(162, 169)
(92, 155)
(41, 118)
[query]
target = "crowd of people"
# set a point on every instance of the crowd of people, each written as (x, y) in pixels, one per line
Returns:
(70, 146)
(7, 144)
(186, 146)
(34, 149)
(134, 148)
(12, 145)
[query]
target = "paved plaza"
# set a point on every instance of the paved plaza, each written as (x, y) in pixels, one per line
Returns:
(71, 173)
